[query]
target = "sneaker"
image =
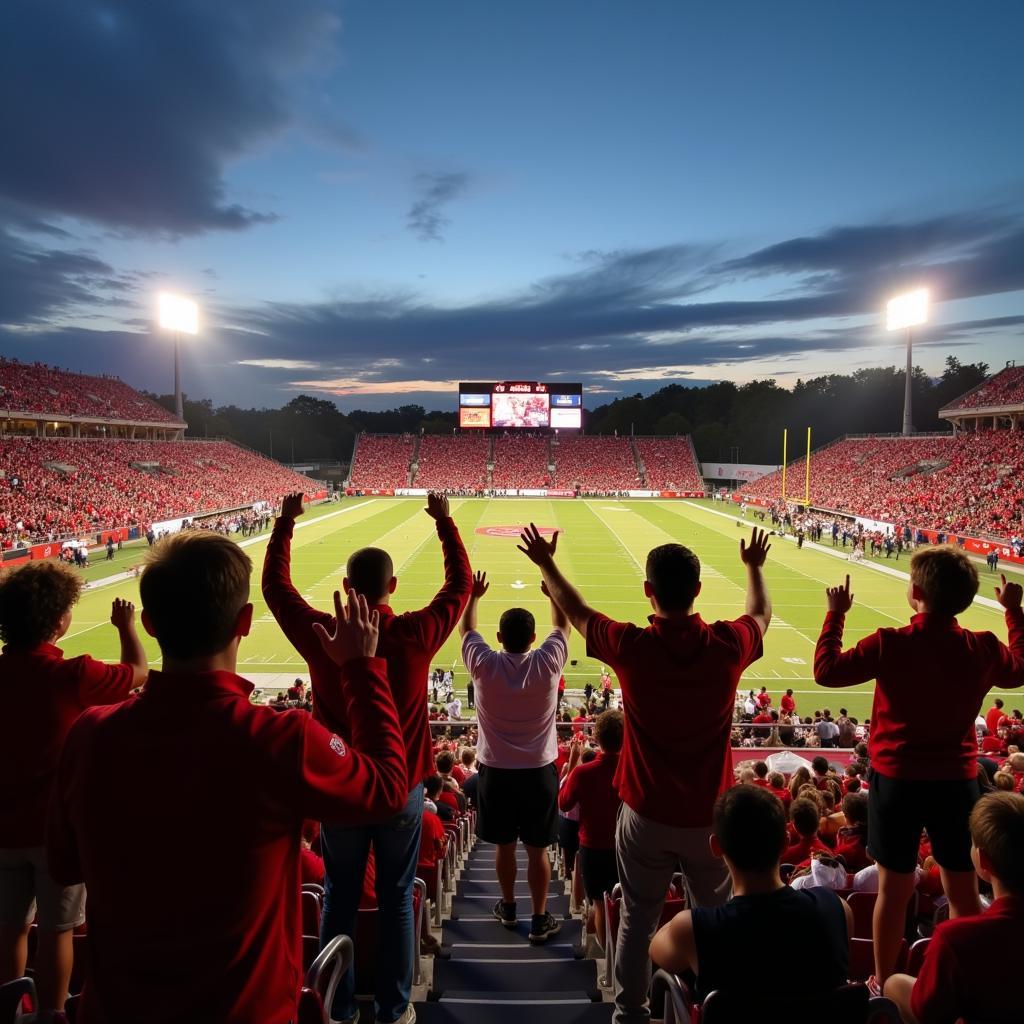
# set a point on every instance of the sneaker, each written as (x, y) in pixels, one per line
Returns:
(874, 989)
(543, 926)
(354, 1019)
(408, 1017)
(505, 913)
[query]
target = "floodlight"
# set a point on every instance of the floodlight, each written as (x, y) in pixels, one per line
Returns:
(907, 310)
(178, 313)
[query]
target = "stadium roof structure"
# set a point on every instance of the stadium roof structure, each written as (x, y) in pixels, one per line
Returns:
(998, 401)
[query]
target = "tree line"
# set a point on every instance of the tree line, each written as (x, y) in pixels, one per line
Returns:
(726, 420)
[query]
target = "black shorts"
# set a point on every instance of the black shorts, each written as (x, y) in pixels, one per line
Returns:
(569, 839)
(518, 803)
(899, 808)
(600, 872)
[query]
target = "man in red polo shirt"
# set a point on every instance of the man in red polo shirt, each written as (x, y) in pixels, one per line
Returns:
(42, 694)
(931, 679)
(195, 796)
(994, 716)
(787, 704)
(408, 642)
(672, 768)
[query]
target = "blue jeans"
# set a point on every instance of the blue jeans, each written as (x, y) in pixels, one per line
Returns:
(396, 848)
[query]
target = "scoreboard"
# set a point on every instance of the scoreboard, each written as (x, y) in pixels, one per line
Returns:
(520, 405)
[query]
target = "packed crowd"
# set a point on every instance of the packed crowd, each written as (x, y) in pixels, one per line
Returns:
(970, 483)
(595, 463)
(382, 461)
(669, 464)
(54, 487)
(96, 760)
(39, 389)
(1003, 388)
(521, 462)
(453, 462)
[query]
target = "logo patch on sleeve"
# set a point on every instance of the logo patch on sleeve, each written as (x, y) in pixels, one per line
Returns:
(338, 746)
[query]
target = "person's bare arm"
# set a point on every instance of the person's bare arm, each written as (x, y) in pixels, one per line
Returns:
(558, 618)
(122, 617)
(467, 624)
(560, 590)
(674, 947)
(753, 555)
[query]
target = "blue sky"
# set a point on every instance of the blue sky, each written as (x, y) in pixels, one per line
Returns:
(371, 201)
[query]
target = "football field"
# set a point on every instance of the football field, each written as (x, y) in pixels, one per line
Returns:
(602, 550)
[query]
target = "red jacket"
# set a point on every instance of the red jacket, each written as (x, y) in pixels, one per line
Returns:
(41, 695)
(592, 787)
(182, 811)
(408, 642)
(932, 677)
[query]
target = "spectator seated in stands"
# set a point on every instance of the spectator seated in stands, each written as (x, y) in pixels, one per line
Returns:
(749, 833)
(433, 788)
(521, 462)
(595, 463)
(451, 792)
(971, 968)
(42, 694)
(852, 840)
(669, 464)
(381, 462)
(220, 766)
(805, 816)
(455, 462)
(777, 785)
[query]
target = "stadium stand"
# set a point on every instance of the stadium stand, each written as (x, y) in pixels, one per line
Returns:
(37, 389)
(66, 486)
(669, 463)
(970, 482)
(382, 461)
(457, 462)
(1005, 388)
(595, 463)
(521, 462)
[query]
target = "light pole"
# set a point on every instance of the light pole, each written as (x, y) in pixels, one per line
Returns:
(905, 312)
(180, 316)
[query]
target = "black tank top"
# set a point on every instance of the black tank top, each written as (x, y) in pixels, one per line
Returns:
(805, 926)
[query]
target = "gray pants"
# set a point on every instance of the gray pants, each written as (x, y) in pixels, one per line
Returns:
(648, 854)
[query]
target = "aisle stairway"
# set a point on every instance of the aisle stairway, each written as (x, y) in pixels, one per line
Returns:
(495, 976)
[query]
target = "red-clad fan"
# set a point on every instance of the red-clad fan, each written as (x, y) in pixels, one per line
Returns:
(143, 786)
(672, 768)
(42, 694)
(931, 679)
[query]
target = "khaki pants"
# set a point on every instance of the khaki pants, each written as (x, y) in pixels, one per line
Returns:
(648, 854)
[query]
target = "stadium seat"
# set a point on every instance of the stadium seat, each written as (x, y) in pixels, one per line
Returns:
(322, 978)
(862, 958)
(915, 958)
(16, 997)
(312, 907)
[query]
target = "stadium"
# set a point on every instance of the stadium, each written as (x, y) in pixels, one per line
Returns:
(592, 646)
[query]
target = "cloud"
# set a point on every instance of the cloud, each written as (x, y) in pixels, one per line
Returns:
(425, 218)
(126, 114)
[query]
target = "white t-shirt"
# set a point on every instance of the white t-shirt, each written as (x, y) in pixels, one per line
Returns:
(516, 700)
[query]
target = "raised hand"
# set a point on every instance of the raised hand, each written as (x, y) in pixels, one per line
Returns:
(291, 507)
(535, 547)
(122, 613)
(1009, 594)
(755, 553)
(841, 600)
(437, 506)
(480, 585)
(355, 632)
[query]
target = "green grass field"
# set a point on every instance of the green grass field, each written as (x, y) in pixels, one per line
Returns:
(602, 550)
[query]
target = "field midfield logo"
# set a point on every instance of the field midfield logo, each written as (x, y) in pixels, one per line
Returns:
(514, 531)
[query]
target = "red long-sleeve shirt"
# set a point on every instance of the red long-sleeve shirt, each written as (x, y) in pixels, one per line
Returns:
(182, 811)
(931, 679)
(592, 787)
(408, 642)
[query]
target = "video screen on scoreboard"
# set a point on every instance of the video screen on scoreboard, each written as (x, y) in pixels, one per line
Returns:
(520, 405)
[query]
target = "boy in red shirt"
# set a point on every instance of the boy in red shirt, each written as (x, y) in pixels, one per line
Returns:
(931, 678)
(805, 817)
(143, 786)
(42, 694)
(971, 969)
(788, 704)
(672, 768)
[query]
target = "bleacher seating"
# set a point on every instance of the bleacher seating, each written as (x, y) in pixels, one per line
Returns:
(669, 464)
(1003, 388)
(48, 391)
(521, 462)
(452, 462)
(382, 461)
(595, 463)
(970, 483)
(70, 486)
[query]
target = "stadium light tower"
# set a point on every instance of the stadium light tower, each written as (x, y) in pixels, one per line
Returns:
(180, 316)
(905, 312)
